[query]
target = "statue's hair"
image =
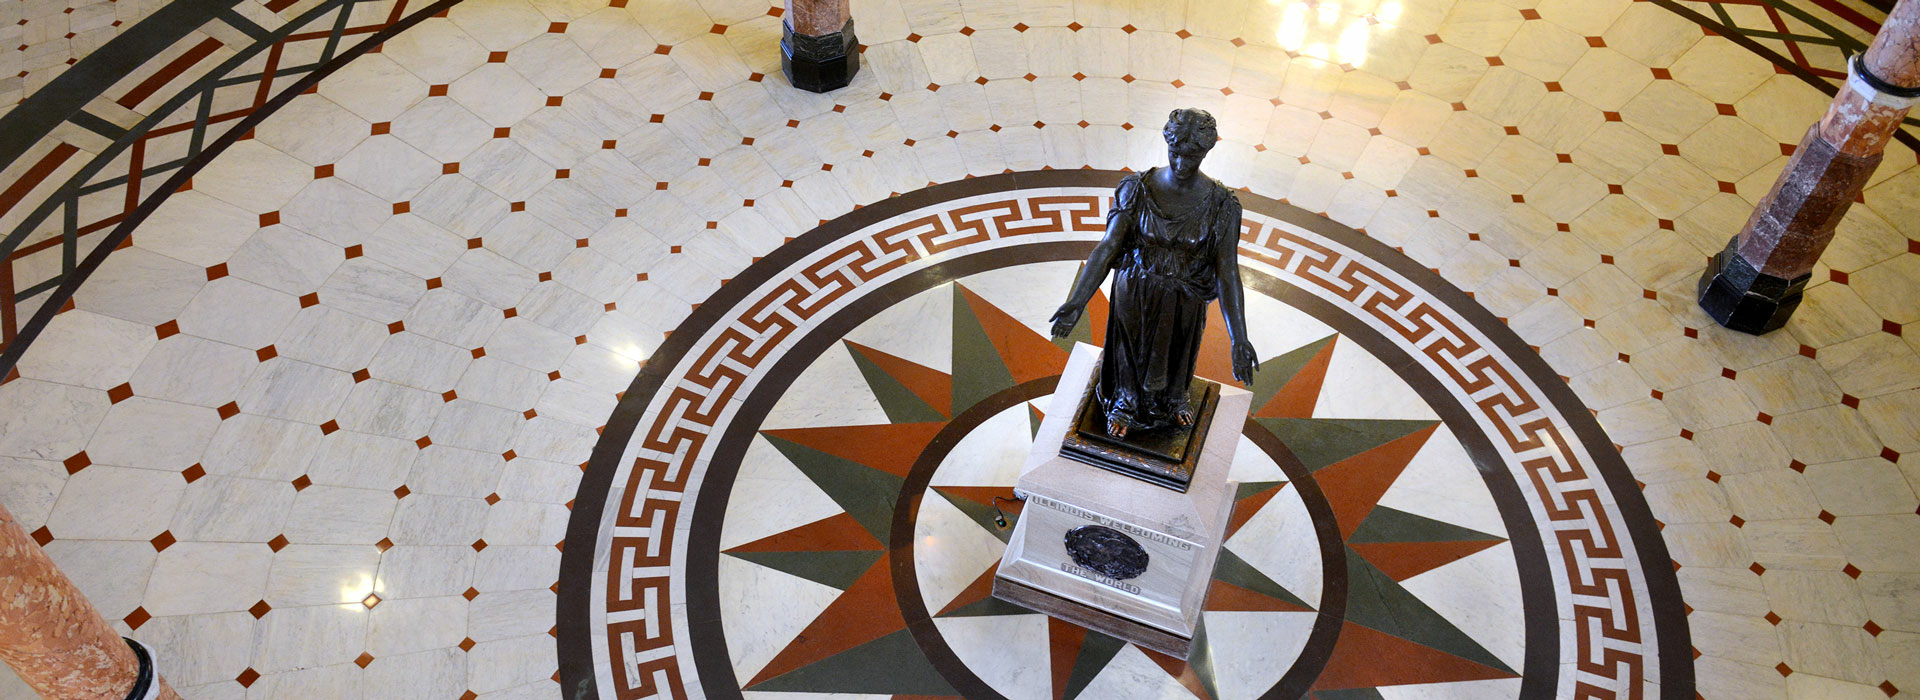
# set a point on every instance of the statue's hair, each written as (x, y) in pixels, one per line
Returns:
(1191, 125)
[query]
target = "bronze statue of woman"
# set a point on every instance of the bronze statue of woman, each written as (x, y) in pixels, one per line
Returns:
(1172, 242)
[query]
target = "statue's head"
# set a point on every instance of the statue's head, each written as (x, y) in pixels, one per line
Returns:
(1190, 134)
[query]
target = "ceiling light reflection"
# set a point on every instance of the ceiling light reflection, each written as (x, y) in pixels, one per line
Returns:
(1318, 29)
(631, 352)
(357, 589)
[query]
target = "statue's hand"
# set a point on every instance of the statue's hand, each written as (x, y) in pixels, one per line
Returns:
(1245, 361)
(1065, 319)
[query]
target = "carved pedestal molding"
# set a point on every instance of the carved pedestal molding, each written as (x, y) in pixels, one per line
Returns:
(818, 49)
(55, 640)
(1755, 283)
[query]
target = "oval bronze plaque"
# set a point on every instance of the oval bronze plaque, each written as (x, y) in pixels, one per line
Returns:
(1106, 551)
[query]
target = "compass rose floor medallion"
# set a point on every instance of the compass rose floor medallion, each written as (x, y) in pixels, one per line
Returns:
(807, 491)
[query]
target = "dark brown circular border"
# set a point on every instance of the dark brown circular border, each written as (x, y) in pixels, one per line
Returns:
(575, 637)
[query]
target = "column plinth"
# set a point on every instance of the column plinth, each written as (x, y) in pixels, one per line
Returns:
(818, 49)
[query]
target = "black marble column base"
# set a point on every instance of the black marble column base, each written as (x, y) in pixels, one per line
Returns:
(1744, 299)
(146, 685)
(819, 63)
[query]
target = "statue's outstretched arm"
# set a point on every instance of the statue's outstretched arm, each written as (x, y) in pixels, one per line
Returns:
(1092, 275)
(1232, 297)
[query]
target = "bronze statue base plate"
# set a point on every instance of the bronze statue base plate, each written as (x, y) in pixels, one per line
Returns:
(1164, 457)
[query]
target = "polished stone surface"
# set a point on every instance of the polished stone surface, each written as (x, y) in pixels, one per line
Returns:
(1575, 187)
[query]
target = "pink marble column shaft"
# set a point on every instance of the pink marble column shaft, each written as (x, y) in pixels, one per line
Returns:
(1794, 222)
(818, 17)
(51, 636)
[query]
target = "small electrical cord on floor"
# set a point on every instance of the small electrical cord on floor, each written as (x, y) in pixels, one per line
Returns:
(999, 516)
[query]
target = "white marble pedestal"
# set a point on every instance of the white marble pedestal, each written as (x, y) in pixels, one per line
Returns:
(1181, 532)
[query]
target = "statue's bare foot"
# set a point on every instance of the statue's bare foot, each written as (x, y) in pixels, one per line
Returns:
(1116, 429)
(1184, 415)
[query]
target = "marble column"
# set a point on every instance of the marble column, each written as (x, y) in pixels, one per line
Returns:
(1755, 283)
(55, 640)
(818, 50)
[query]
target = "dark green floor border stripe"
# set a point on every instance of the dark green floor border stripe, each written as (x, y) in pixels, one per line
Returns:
(71, 281)
(67, 93)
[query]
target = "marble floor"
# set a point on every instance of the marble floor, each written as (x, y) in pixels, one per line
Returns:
(559, 348)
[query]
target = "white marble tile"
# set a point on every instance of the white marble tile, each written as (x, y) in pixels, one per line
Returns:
(439, 520)
(413, 572)
(439, 672)
(486, 276)
(194, 649)
(206, 577)
(237, 312)
(293, 638)
(420, 362)
(331, 338)
(436, 51)
(373, 87)
(260, 447)
(501, 615)
(452, 471)
(451, 317)
(477, 426)
(294, 390)
(558, 441)
(520, 523)
(313, 129)
(538, 481)
(612, 37)
(491, 380)
(506, 663)
(591, 274)
(555, 306)
(1652, 38)
(388, 168)
(1719, 70)
(506, 169)
(48, 421)
(576, 403)
(499, 24)
(253, 176)
(709, 62)
(360, 460)
(553, 63)
(230, 509)
(29, 487)
(284, 259)
(336, 212)
(459, 205)
(408, 625)
(570, 209)
(528, 344)
(507, 568)
(306, 574)
(497, 94)
(339, 515)
(195, 228)
(338, 680)
(88, 349)
(112, 575)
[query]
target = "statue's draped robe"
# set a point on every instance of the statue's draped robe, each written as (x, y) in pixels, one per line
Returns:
(1164, 275)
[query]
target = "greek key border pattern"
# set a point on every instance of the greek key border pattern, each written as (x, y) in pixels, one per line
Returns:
(1613, 647)
(1614, 644)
